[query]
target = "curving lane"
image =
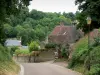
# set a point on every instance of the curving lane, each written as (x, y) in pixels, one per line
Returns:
(46, 69)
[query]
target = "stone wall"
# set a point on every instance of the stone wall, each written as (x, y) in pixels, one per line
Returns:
(44, 56)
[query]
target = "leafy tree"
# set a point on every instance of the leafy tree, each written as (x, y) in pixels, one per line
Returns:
(51, 15)
(69, 15)
(27, 36)
(10, 31)
(66, 21)
(90, 8)
(82, 22)
(7, 8)
(34, 46)
(13, 49)
(4, 54)
(34, 50)
(41, 32)
(33, 25)
(20, 30)
(37, 14)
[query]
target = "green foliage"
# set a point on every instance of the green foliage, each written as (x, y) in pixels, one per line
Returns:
(33, 46)
(2, 34)
(4, 54)
(81, 17)
(89, 8)
(37, 14)
(69, 15)
(66, 21)
(22, 52)
(13, 49)
(80, 52)
(64, 52)
(95, 70)
(50, 45)
(83, 55)
(95, 61)
(6, 9)
(34, 25)
(9, 67)
(97, 41)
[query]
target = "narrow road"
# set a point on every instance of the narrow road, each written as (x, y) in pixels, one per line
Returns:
(46, 69)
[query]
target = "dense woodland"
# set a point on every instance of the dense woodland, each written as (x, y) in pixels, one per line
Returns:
(34, 25)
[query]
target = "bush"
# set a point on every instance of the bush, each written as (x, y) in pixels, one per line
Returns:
(91, 57)
(22, 52)
(80, 52)
(34, 46)
(95, 70)
(4, 54)
(65, 52)
(97, 41)
(13, 49)
(95, 61)
(50, 45)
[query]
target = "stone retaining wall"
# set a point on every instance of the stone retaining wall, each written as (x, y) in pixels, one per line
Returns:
(44, 56)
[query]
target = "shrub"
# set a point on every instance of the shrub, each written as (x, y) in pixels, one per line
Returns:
(50, 45)
(22, 52)
(95, 61)
(13, 49)
(4, 54)
(80, 52)
(65, 52)
(96, 41)
(95, 70)
(34, 46)
(91, 56)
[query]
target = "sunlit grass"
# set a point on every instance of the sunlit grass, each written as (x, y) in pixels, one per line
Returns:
(9, 68)
(22, 52)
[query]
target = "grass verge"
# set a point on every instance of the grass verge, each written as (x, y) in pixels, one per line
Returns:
(9, 68)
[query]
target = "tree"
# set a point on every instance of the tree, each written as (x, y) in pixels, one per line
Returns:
(7, 8)
(34, 49)
(10, 31)
(82, 22)
(37, 14)
(34, 25)
(66, 21)
(41, 32)
(69, 15)
(90, 8)
(34, 46)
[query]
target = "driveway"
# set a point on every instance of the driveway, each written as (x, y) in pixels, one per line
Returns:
(46, 69)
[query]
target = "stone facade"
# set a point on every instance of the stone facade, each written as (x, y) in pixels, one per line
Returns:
(64, 34)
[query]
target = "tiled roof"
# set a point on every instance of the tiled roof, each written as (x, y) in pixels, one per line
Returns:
(13, 42)
(62, 30)
(62, 34)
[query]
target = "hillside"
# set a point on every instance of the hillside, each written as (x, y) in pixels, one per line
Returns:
(7, 65)
(9, 68)
(84, 60)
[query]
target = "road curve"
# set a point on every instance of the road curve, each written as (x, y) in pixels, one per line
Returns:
(46, 69)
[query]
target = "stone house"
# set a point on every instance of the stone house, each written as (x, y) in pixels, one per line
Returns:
(64, 34)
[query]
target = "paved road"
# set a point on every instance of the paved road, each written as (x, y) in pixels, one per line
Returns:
(46, 69)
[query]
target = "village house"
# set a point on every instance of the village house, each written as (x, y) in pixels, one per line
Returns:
(63, 34)
(13, 42)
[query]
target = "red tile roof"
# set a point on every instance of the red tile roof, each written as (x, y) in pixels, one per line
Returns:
(62, 30)
(62, 34)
